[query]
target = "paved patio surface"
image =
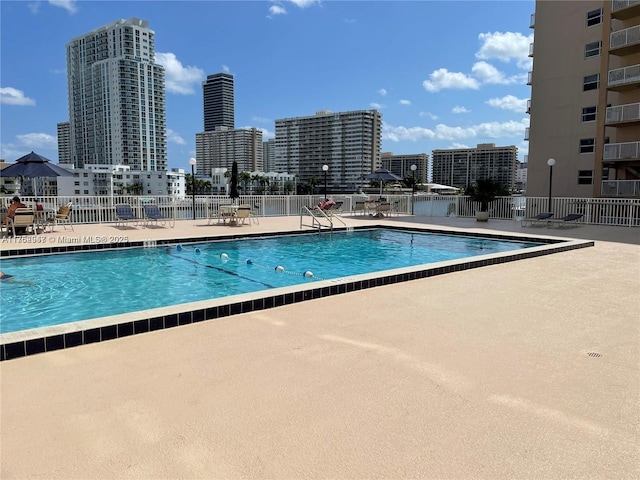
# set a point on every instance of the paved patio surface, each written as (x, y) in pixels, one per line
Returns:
(527, 370)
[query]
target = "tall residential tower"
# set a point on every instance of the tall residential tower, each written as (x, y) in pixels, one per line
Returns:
(117, 112)
(585, 99)
(218, 101)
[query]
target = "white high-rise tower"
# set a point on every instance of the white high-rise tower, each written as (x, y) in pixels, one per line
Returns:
(117, 110)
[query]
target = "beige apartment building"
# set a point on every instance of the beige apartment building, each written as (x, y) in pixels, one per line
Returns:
(585, 99)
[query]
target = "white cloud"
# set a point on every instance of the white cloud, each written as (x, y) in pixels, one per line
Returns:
(458, 145)
(267, 134)
(487, 73)
(459, 109)
(504, 46)
(430, 115)
(13, 96)
(377, 106)
(305, 3)
(225, 69)
(179, 79)
(38, 140)
(442, 78)
(276, 10)
(383, 92)
(34, 7)
(69, 5)
(405, 102)
(174, 137)
(444, 132)
(509, 102)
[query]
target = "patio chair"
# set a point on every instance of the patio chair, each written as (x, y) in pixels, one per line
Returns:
(153, 214)
(23, 218)
(125, 215)
(566, 220)
(383, 209)
(243, 212)
(360, 207)
(255, 213)
(62, 217)
(541, 218)
(212, 213)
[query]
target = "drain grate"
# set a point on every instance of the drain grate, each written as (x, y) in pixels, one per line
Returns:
(593, 354)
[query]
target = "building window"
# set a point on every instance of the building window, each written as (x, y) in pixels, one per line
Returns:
(587, 145)
(592, 49)
(585, 177)
(589, 114)
(591, 82)
(594, 17)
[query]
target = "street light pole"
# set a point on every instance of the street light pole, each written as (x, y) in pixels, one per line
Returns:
(413, 186)
(193, 162)
(551, 162)
(325, 168)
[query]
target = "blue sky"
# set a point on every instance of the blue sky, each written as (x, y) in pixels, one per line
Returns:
(448, 74)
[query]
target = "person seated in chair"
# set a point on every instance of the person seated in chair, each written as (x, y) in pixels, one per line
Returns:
(325, 205)
(11, 211)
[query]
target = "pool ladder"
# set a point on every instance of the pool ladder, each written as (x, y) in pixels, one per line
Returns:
(318, 219)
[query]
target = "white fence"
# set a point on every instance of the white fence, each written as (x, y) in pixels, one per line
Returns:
(596, 211)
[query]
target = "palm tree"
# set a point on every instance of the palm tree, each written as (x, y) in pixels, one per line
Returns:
(245, 179)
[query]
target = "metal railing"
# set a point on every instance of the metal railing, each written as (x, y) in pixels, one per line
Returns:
(620, 4)
(622, 76)
(629, 112)
(596, 211)
(625, 37)
(621, 151)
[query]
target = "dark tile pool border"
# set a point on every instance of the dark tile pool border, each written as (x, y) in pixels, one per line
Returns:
(19, 344)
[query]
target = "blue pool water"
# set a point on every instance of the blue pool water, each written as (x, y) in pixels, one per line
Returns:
(57, 289)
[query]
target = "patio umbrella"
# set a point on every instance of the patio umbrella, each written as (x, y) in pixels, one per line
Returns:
(233, 190)
(34, 166)
(383, 175)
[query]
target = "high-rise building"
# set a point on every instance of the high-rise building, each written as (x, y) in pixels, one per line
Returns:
(218, 101)
(219, 148)
(349, 143)
(461, 167)
(269, 155)
(117, 111)
(64, 143)
(401, 165)
(585, 99)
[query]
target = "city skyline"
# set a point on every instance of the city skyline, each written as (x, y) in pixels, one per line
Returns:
(440, 81)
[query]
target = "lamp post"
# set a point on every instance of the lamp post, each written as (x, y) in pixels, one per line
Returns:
(325, 169)
(413, 185)
(551, 162)
(193, 162)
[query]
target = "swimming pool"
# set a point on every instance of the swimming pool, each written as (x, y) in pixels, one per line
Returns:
(64, 300)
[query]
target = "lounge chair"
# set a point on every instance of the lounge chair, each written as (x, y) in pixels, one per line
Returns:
(243, 212)
(334, 208)
(125, 214)
(541, 218)
(153, 214)
(382, 209)
(63, 217)
(23, 218)
(567, 219)
(360, 207)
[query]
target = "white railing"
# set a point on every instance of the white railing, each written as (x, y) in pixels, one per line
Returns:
(597, 211)
(621, 151)
(623, 113)
(621, 76)
(532, 20)
(621, 188)
(529, 78)
(625, 37)
(620, 4)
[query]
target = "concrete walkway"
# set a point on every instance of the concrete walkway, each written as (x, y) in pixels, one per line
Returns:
(527, 370)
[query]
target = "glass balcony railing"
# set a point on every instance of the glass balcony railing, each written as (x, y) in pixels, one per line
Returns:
(623, 113)
(623, 38)
(621, 151)
(624, 76)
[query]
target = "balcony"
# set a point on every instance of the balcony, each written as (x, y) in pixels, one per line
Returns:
(526, 133)
(531, 49)
(627, 78)
(529, 78)
(620, 188)
(532, 21)
(528, 106)
(620, 152)
(623, 113)
(625, 42)
(625, 9)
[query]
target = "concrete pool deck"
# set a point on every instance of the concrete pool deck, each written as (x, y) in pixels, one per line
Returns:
(529, 369)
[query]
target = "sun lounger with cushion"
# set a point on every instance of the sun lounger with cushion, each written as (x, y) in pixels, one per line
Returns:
(125, 214)
(540, 219)
(567, 219)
